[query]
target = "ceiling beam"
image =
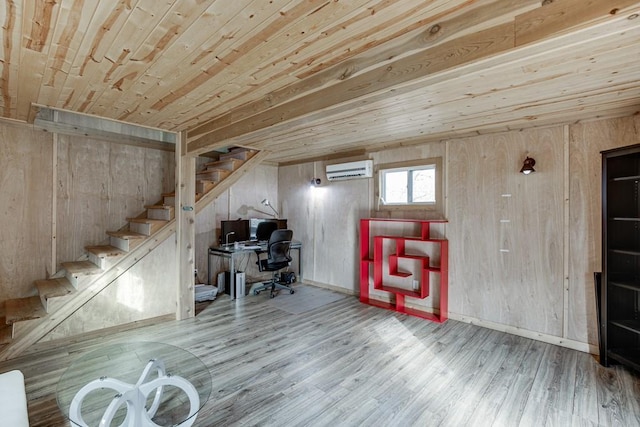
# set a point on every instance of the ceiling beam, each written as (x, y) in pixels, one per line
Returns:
(84, 125)
(438, 30)
(557, 19)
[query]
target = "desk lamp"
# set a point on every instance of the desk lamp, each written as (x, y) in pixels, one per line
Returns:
(265, 202)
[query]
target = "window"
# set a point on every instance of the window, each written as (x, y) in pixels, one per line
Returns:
(411, 184)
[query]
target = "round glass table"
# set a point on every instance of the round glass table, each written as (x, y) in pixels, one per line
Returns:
(134, 384)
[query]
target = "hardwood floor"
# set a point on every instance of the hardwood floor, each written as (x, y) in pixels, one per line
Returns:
(349, 364)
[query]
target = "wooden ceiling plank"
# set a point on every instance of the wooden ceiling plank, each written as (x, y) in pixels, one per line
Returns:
(395, 29)
(168, 42)
(298, 155)
(442, 57)
(539, 82)
(508, 97)
(11, 30)
(220, 63)
(163, 77)
(38, 20)
(74, 18)
(223, 20)
(567, 15)
(139, 23)
(245, 41)
(229, 85)
(450, 119)
(459, 24)
(106, 24)
(90, 23)
(188, 100)
(615, 24)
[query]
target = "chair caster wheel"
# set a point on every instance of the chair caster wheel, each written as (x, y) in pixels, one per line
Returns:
(256, 292)
(292, 292)
(271, 296)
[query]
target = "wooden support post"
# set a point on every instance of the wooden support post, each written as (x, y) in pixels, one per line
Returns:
(185, 228)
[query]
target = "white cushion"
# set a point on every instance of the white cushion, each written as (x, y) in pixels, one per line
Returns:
(13, 400)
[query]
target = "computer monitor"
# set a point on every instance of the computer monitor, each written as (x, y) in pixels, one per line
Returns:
(253, 227)
(239, 228)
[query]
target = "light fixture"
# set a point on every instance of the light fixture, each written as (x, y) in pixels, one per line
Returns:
(527, 166)
(265, 202)
(316, 182)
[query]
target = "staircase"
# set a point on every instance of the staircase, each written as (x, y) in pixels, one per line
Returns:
(24, 321)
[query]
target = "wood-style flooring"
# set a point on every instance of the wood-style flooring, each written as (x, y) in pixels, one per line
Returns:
(349, 364)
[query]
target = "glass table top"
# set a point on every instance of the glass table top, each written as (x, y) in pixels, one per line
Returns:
(153, 373)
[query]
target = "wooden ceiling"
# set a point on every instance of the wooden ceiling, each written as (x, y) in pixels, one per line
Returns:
(308, 79)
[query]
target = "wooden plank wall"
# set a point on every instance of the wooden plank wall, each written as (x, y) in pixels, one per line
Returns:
(586, 142)
(60, 193)
(26, 163)
(523, 249)
(506, 229)
(325, 220)
(101, 184)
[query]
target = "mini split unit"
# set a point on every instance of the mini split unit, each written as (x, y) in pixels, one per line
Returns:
(350, 170)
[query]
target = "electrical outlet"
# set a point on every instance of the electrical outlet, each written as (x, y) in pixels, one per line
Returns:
(416, 284)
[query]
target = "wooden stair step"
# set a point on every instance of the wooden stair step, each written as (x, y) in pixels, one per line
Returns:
(147, 221)
(239, 153)
(51, 290)
(166, 207)
(228, 164)
(204, 186)
(126, 240)
(165, 212)
(146, 226)
(215, 175)
(169, 198)
(81, 268)
(104, 251)
(24, 309)
(126, 235)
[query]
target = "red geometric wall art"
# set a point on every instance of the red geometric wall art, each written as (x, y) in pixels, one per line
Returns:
(394, 269)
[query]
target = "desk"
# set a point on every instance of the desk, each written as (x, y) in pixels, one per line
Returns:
(114, 383)
(228, 251)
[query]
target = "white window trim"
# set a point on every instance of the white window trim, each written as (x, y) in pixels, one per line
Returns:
(435, 162)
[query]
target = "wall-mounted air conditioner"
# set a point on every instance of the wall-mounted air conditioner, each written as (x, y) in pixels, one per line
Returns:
(350, 170)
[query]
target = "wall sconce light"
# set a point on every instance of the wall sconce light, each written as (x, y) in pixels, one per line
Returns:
(315, 182)
(527, 166)
(266, 202)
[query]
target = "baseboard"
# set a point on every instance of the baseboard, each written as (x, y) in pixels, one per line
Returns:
(513, 330)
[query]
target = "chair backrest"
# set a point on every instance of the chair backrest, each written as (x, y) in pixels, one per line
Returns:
(278, 246)
(265, 229)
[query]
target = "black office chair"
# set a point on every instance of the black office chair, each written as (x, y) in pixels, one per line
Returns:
(278, 258)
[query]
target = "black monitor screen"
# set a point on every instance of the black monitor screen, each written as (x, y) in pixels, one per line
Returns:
(253, 227)
(238, 228)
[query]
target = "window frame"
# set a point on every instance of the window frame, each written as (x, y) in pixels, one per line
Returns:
(434, 162)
